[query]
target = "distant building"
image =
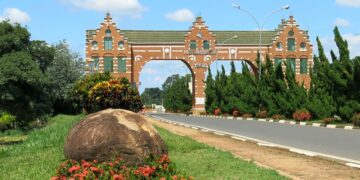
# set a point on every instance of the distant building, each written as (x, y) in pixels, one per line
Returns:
(125, 52)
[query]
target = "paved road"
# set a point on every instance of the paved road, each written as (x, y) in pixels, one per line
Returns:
(335, 142)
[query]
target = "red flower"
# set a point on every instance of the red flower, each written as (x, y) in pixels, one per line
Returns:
(174, 177)
(118, 177)
(94, 169)
(74, 168)
(165, 166)
(164, 159)
(111, 164)
(86, 164)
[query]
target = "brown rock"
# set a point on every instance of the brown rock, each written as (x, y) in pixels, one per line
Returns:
(112, 133)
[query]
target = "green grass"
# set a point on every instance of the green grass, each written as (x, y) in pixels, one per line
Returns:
(205, 162)
(40, 154)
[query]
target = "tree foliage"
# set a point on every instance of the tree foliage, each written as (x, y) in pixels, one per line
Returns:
(32, 76)
(152, 96)
(66, 68)
(114, 93)
(334, 89)
(23, 87)
(177, 96)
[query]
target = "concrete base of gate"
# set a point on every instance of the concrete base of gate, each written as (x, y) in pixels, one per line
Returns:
(198, 112)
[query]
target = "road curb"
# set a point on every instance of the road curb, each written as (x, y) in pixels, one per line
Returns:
(330, 126)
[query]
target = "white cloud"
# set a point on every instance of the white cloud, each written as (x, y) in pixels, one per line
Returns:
(117, 7)
(159, 79)
(181, 15)
(349, 3)
(150, 71)
(342, 22)
(15, 16)
(353, 42)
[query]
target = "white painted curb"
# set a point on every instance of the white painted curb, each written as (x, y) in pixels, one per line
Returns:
(299, 151)
(353, 165)
(316, 124)
(331, 126)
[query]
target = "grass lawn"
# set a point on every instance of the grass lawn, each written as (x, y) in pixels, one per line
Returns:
(42, 152)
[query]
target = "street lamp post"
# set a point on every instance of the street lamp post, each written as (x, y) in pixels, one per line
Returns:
(260, 28)
(222, 43)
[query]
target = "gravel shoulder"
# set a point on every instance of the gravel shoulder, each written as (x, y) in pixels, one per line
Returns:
(289, 164)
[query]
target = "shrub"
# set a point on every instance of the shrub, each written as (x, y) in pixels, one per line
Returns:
(302, 115)
(247, 116)
(235, 113)
(114, 93)
(5, 120)
(356, 119)
(82, 87)
(349, 109)
(217, 111)
(328, 120)
(261, 114)
(161, 168)
(277, 116)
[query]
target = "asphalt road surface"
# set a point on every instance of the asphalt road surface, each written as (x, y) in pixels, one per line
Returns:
(333, 142)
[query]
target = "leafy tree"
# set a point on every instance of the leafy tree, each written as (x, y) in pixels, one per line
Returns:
(42, 53)
(66, 68)
(13, 38)
(178, 97)
(169, 81)
(23, 88)
(151, 96)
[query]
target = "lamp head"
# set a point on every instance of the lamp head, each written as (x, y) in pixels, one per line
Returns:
(236, 6)
(286, 7)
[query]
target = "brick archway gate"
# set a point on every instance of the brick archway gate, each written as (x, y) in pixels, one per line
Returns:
(125, 52)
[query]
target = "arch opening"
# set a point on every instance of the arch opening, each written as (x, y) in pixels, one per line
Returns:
(155, 74)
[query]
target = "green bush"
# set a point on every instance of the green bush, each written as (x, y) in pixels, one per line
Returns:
(5, 120)
(114, 93)
(349, 109)
(356, 119)
(82, 87)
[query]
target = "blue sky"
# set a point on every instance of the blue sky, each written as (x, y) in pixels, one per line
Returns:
(54, 20)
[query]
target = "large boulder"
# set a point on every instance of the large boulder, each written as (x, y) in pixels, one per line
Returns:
(112, 133)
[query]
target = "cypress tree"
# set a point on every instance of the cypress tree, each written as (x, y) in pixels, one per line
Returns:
(322, 56)
(210, 95)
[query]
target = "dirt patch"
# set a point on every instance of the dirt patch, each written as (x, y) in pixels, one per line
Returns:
(289, 164)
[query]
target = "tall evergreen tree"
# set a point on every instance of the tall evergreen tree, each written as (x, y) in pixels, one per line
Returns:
(210, 95)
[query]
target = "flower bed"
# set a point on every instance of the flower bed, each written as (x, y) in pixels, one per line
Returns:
(302, 115)
(160, 168)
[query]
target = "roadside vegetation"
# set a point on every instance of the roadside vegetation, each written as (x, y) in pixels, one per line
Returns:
(41, 153)
(333, 95)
